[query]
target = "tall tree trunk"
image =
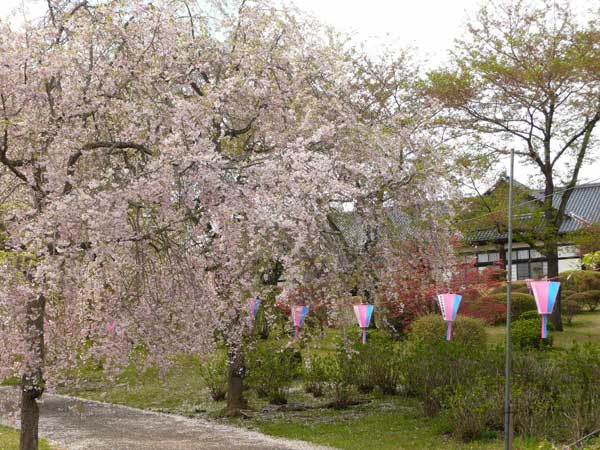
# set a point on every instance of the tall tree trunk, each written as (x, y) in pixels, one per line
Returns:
(32, 381)
(552, 257)
(235, 383)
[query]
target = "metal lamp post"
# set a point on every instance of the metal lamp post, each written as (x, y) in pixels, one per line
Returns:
(507, 367)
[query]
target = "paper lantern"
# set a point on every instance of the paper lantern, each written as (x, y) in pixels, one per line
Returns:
(299, 312)
(363, 314)
(545, 293)
(449, 304)
(254, 305)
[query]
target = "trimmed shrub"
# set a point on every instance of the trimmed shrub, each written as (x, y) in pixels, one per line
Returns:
(466, 331)
(580, 280)
(531, 315)
(520, 303)
(586, 299)
(214, 374)
(569, 308)
(486, 308)
(271, 371)
(525, 334)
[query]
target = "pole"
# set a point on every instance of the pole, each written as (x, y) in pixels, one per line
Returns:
(507, 366)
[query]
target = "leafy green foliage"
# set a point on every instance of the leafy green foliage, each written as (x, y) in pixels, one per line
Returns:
(315, 375)
(214, 374)
(525, 334)
(466, 331)
(580, 280)
(587, 299)
(340, 373)
(378, 363)
(570, 308)
(271, 371)
(433, 371)
(592, 260)
(580, 391)
(475, 408)
(519, 304)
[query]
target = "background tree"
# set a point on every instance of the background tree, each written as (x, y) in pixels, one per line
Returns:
(527, 76)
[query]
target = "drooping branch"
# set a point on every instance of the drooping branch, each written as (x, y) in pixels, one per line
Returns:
(111, 145)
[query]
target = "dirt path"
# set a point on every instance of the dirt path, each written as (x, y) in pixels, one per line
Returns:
(76, 424)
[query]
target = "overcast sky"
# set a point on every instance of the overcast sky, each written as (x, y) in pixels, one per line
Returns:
(429, 26)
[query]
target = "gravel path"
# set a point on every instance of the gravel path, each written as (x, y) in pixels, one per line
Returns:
(77, 424)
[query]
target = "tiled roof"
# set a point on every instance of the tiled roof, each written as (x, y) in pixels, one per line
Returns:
(583, 208)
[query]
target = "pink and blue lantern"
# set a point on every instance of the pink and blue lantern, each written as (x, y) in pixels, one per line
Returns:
(299, 312)
(363, 314)
(254, 305)
(449, 304)
(545, 293)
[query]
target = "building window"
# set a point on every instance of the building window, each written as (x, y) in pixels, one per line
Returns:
(567, 251)
(535, 254)
(522, 270)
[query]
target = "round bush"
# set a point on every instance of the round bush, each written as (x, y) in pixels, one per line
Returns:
(529, 315)
(569, 308)
(525, 334)
(466, 331)
(580, 280)
(485, 308)
(520, 303)
(586, 299)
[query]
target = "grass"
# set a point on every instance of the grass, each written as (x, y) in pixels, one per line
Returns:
(179, 389)
(381, 422)
(9, 440)
(585, 328)
(390, 423)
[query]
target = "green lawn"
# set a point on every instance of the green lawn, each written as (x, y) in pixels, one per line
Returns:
(390, 423)
(9, 440)
(585, 328)
(380, 422)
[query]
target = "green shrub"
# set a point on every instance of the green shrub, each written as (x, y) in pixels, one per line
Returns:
(466, 331)
(378, 363)
(517, 286)
(526, 334)
(520, 303)
(214, 374)
(569, 308)
(315, 375)
(580, 280)
(579, 393)
(340, 375)
(475, 408)
(530, 315)
(271, 371)
(535, 388)
(587, 299)
(432, 371)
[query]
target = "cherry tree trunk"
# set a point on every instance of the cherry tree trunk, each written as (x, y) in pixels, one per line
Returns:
(235, 384)
(32, 381)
